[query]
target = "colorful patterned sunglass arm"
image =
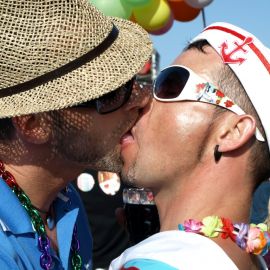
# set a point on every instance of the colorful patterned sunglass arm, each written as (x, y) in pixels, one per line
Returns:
(196, 88)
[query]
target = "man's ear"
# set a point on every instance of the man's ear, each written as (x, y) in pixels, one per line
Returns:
(33, 128)
(236, 131)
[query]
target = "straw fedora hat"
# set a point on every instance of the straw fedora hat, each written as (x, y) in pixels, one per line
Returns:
(58, 53)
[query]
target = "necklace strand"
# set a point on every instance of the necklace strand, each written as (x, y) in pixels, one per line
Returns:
(38, 224)
(252, 238)
(41, 211)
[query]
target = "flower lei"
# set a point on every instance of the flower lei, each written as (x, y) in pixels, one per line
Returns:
(252, 238)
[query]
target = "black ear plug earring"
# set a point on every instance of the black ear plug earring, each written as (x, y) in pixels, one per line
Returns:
(217, 154)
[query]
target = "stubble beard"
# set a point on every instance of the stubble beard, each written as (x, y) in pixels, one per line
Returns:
(92, 158)
(79, 148)
(129, 177)
(110, 162)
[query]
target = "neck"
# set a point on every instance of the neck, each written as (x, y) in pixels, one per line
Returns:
(38, 170)
(41, 184)
(206, 193)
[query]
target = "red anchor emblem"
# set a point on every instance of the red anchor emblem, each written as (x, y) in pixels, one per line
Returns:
(227, 56)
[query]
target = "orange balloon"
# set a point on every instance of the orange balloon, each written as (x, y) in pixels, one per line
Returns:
(182, 11)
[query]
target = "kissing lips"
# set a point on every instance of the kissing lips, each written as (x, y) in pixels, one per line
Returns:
(126, 140)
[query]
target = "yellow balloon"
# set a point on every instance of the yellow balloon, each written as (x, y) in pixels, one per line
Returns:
(154, 15)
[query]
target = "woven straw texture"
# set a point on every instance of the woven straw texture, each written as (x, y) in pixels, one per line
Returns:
(39, 36)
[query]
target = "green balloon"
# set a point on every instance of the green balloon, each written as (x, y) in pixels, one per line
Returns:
(115, 8)
(137, 3)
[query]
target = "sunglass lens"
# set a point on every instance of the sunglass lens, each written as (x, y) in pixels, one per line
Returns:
(115, 99)
(170, 82)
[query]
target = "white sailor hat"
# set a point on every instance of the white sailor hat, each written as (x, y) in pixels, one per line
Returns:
(250, 61)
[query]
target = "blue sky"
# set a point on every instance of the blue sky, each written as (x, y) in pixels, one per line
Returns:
(252, 15)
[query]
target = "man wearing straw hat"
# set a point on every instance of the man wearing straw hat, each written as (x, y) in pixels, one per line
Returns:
(66, 100)
(202, 146)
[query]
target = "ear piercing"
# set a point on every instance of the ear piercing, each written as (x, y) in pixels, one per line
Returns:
(217, 154)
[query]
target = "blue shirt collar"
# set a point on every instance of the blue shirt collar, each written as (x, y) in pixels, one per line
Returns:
(19, 222)
(13, 217)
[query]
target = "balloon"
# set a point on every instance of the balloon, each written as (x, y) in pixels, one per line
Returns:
(154, 15)
(137, 3)
(182, 11)
(116, 8)
(198, 3)
(132, 18)
(165, 28)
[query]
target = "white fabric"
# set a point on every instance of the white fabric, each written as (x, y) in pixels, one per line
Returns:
(253, 67)
(182, 250)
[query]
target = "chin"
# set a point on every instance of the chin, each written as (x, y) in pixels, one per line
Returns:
(129, 176)
(110, 164)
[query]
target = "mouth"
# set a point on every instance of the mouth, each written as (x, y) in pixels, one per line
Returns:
(127, 139)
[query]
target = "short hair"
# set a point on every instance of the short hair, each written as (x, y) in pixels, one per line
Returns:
(6, 129)
(259, 163)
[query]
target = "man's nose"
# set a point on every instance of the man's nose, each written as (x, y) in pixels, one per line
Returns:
(140, 96)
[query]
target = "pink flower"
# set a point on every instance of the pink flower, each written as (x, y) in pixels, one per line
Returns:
(255, 240)
(192, 225)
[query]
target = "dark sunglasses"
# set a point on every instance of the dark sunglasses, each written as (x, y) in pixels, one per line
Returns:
(179, 83)
(112, 101)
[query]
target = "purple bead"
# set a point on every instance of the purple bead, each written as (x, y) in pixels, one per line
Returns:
(44, 243)
(46, 261)
(241, 238)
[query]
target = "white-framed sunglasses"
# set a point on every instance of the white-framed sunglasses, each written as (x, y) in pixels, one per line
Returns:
(179, 83)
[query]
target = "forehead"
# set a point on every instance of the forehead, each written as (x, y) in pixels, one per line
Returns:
(203, 63)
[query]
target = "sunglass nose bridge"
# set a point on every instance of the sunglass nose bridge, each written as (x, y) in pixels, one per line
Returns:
(140, 96)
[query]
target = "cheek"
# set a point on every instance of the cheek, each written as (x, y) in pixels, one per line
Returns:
(156, 136)
(174, 130)
(108, 129)
(102, 126)
(165, 125)
(192, 121)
